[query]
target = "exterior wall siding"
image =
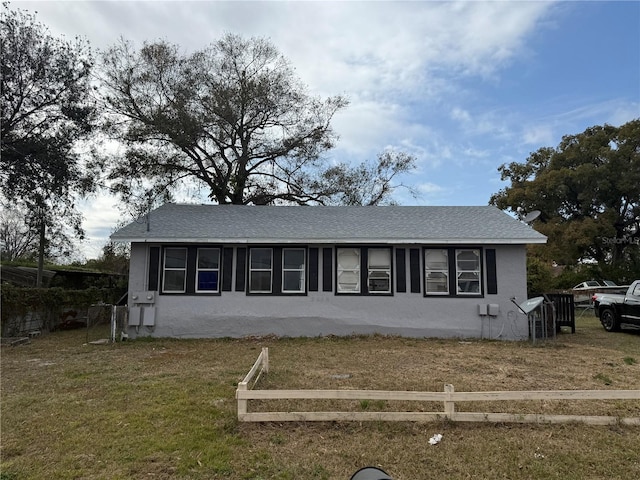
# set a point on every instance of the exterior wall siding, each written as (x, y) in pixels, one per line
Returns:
(318, 313)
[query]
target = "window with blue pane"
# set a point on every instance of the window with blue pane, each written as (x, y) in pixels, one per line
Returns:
(208, 270)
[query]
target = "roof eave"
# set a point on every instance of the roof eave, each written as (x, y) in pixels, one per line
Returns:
(334, 241)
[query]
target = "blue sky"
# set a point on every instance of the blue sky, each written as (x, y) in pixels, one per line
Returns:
(463, 86)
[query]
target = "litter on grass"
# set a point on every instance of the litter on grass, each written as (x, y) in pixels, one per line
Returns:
(435, 439)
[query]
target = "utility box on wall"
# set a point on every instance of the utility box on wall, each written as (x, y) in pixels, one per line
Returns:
(149, 318)
(145, 316)
(143, 311)
(135, 314)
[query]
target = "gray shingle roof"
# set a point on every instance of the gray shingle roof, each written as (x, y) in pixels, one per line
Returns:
(318, 224)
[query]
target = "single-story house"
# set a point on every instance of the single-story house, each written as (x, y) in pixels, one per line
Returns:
(234, 270)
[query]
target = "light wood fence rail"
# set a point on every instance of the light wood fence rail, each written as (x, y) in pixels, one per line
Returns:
(448, 397)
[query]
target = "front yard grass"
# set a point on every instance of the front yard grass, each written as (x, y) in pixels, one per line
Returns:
(165, 409)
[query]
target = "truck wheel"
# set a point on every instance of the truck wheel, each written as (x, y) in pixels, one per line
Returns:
(609, 320)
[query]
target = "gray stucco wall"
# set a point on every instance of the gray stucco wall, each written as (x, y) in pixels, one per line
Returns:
(235, 314)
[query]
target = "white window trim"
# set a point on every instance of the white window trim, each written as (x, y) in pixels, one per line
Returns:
(428, 270)
(270, 270)
(198, 270)
(302, 270)
(385, 269)
(478, 272)
(174, 269)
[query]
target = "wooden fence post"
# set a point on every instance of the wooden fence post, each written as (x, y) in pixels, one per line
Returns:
(265, 359)
(242, 403)
(449, 405)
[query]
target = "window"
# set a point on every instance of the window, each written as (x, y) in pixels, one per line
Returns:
(457, 271)
(468, 271)
(260, 270)
(436, 263)
(208, 270)
(348, 270)
(175, 270)
(376, 265)
(379, 277)
(293, 270)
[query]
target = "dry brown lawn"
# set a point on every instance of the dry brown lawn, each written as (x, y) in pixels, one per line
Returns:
(165, 409)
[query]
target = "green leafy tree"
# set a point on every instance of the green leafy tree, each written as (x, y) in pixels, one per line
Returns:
(539, 276)
(233, 119)
(46, 110)
(588, 190)
(114, 259)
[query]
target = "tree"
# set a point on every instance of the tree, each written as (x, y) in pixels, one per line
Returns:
(588, 190)
(20, 231)
(539, 276)
(232, 118)
(114, 259)
(17, 240)
(370, 183)
(45, 112)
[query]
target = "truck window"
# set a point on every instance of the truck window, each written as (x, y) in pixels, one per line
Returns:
(636, 291)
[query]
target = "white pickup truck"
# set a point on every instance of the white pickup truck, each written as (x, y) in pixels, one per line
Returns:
(615, 309)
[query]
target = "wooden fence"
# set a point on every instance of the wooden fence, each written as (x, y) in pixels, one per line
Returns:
(260, 366)
(565, 309)
(448, 397)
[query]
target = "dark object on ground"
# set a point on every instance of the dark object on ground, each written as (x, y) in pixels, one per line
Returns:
(370, 473)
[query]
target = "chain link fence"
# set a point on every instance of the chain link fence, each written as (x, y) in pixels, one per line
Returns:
(106, 323)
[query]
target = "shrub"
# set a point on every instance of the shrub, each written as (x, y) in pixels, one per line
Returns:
(21, 304)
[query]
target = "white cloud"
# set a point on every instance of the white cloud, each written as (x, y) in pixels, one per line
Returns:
(614, 111)
(428, 188)
(624, 113)
(101, 215)
(475, 153)
(377, 47)
(564, 117)
(365, 126)
(486, 122)
(539, 135)
(461, 115)
(397, 48)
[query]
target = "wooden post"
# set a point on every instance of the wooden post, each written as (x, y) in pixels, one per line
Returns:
(265, 359)
(114, 319)
(242, 403)
(449, 405)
